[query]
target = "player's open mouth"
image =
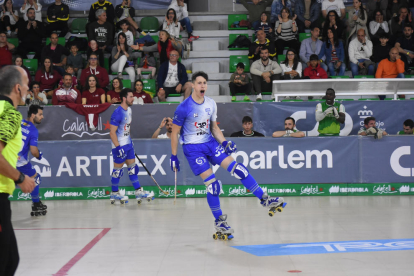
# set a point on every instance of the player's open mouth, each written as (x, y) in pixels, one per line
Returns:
(202, 91)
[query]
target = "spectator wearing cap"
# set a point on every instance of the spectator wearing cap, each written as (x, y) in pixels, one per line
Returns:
(314, 70)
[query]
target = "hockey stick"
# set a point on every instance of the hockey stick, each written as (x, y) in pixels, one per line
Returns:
(175, 190)
(166, 193)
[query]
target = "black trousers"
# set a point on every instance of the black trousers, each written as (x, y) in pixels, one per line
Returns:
(281, 44)
(9, 254)
(260, 85)
(61, 26)
(236, 89)
(24, 48)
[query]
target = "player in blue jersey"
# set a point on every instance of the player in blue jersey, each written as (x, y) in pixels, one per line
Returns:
(30, 136)
(204, 143)
(123, 149)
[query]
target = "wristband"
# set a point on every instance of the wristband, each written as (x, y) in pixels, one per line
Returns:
(408, 53)
(20, 180)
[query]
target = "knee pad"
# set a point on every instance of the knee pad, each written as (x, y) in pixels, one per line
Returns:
(213, 186)
(238, 170)
(133, 169)
(117, 173)
(38, 179)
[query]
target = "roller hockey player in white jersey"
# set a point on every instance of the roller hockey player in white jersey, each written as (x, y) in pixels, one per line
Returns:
(123, 150)
(204, 143)
(30, 136)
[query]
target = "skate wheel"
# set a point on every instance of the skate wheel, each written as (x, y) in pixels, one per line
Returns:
(44, 213)
(32, 214)
(112, 201)
(215, 236)
(139, 202)
(271, 213)
(149, 199)
(36, 214)
(224, 237)
(122, 202)
(279, 209)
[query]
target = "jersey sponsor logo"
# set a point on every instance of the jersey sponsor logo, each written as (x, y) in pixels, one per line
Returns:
(311, 190)
(208, 110)
(239, 191)
(72, 127)
(98, 193)
(202, 127)
(384, 189)
(404, 189)
(195, 115)
(201, 160)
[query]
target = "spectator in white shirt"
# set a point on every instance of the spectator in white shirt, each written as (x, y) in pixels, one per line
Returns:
(360, 51)
(291, 67)
(34, 5)
(182, 15)
(172, 26)
(378, 27)
(336, 5)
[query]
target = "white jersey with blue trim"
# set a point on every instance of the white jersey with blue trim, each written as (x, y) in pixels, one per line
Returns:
(195, 120)
(122, 119)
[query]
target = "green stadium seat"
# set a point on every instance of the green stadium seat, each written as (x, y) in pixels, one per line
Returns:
(317, 100)
(234, 60)
(391, 99)
(409, 76)
(253, 37)
(292, 100)
(14, 41)
(61, 41)
(32, 65)
(149, 87)
(303, 36)
(232, 38)
(233, 18)
(116, 73)
(174, 95)
(281, 58)
(369, 99)
(342, 100)
(339, 77)
(106, 64)
(78, 26)
(364, 77)
(266, 93)
(149, 24)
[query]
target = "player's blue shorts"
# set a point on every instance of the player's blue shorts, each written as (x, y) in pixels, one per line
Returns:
(129, 152)
(200, 156)
(27, 170)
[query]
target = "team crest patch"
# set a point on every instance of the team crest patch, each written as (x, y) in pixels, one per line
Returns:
(208, 110)
(195, 115)
(201, 160)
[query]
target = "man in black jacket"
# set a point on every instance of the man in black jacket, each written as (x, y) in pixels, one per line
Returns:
(57, 53)
(102, 31)
(104, 5)
(31, 33)
(57, 16)
(247, 131)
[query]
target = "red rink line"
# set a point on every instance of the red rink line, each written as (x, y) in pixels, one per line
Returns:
(63, 271)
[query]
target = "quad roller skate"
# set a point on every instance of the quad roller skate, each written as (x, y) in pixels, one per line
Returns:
(140, 194)
(223, 230)
(38, 209)
(273, 203)
(117, 196)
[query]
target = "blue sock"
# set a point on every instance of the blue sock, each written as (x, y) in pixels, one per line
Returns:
(35, 194)
(249, 182)
(115, 182)
(135, 181)
(213, 201)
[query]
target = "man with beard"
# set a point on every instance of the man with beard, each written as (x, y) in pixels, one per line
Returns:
(405, 45)
(408, 128)
(290, 130)
(247, 131)
(167, 123)
(30, 136)
(66, 94)
(31, 34)
(330, 115)
(370, 129)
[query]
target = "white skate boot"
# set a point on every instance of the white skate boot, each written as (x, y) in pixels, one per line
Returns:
(273, 203)
(117, 196)
(140, 194)
(223, 230)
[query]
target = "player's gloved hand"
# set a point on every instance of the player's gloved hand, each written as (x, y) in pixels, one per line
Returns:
(40, 156)
(121, 152)
(371, 131)
(229, 147)
(378, 135)
(288, 132)
(336, 113)
(174, 163)
(329, 110)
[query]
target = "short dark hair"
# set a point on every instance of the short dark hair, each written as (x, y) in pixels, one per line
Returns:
(9, 77)
(54, 33)
(368, 119)
(67, 74)
(384, 35)
(315, 26)
(240, 65)
(330, 89)
(409, 123)
(124, 93)
(29, 10)
(69, 66)
(314, 57)
(33, 109)
(408, 26)
(74, 45)
(122, 22)
(199, 74)
(247, 119)
(34, 83)
(290, 118)
(264, 48)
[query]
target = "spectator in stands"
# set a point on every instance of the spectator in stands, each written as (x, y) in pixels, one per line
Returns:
(31, 35)
(381, 51)
(75, 60)
(290, 130)
(408, 128)
(286, 31)
(405, 45)
(93, 94)
(392, 67)
(27, 4)
(58, 16)
(57, 53)
(314, 70)
(9, 17)
(357, 19)
(164, 46)
(168, 123)
(258, 44)
(330, 115)
(378, 27)
(333, 21)
(376, 5)
(182, 16)
(370, 129)
(140, 96)
(265, 26)
(47, 77)
(255, 10)
(66, 93)
(125, 13)
(310, 46)
(36, 96)
(308, 14)
(333, 5)
(291, 67)
(240, 83)
(147, 64)
(263, 72)
(398, 23)
(101, 5)
(172, 26)
(247, 124)
(334, 51)
(18, 61)
(102, 31)
(172, 78)
(94, 49)
(113, 95)
(124, 25)
(5, 50)
(394, 7)
(93, 68)
(121, 58)
(277, 7)
(69, 70)
(359, 51)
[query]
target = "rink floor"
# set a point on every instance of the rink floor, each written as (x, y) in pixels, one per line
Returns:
(95, 238)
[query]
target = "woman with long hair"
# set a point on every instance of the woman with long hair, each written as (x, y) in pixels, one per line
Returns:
(172, 26)
(18, 61)
(113, 95)
(47, 77)
(333, 21)
(93, 94)
(358, 18)
(286, 31)
(333, 50)
(93, 68)
(121, 54)
(140, 96)
(378, 27)
(9, 18)
(291, 67)
(164, 46)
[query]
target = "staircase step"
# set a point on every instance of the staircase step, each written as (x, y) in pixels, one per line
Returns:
(207, 67)
(206, 25)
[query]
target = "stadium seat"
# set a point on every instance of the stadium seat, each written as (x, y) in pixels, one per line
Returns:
(339, 77)
(266, 93)
(409, 76)
(364, 77)
(317, 100)
(234, 60)
(31, 64)
(233, 18)
(146, 73)
(155, 37)
(149, 24)
(106, 64)
(14, 41)
(149, 87)
(232, 38)
(341, 100)
(78, 26)
(116, 73)
(292, 100)
(281, 58)
(303, 36)
(169, 102)
(61, 41)
(391, 99)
